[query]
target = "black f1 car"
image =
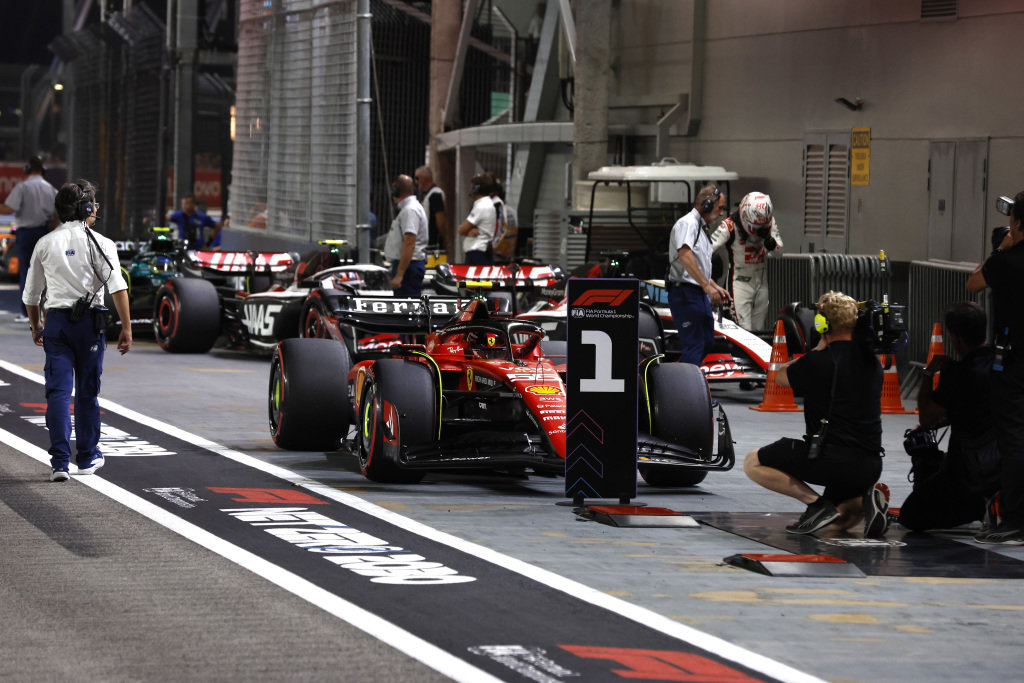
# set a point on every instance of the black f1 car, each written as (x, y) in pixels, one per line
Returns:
(258, 299)
(484, 392)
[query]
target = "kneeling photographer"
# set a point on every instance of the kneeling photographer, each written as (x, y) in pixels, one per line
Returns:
(951, 490)
(841, 383)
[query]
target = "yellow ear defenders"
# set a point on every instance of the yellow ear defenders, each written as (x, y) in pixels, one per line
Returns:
(820, 323)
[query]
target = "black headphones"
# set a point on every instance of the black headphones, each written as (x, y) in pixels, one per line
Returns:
(86, 205)
(85, 209)
(708, 204)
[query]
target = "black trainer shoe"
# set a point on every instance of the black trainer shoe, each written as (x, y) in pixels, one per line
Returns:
(818, 514)
(876, 507)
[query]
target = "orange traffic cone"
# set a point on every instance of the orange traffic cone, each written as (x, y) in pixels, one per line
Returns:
(777, 398)
(936, 348)
(891, 401)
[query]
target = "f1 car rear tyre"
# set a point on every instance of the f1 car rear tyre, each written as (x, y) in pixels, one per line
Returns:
(398, 407)
(308, 404)
(186, 315)
(680, 413)
(314, 324)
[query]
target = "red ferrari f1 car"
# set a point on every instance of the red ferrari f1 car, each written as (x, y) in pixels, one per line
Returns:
(484, 392)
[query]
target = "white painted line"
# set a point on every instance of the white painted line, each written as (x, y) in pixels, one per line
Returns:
(641, 615)
(385, 631)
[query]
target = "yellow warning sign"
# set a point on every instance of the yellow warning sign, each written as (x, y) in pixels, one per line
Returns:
(860, 156)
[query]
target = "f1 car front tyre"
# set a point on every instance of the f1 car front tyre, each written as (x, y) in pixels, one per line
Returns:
(308, 405)
(650, 328)
(399, 407)
(186, 315)
(680, 412)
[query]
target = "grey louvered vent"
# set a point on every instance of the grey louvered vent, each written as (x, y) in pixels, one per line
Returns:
(937, 9)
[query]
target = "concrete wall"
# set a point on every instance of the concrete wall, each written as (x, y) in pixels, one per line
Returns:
(774, 68)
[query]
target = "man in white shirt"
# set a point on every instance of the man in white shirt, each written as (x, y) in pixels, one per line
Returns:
(691, 291)
(406, 243)
(478, 229)
(31, 202)
(73, 264)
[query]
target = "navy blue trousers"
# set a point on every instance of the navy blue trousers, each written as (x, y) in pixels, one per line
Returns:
(74, 359)
(412, 279)
(691, 310)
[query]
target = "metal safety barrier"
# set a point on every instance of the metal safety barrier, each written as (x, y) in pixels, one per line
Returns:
(805, 277)
(933, 286)
(926, 288)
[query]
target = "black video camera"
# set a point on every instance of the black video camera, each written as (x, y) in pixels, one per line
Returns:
(1004, 205)
(881, 327)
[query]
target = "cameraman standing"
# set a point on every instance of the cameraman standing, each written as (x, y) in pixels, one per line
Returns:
(841, 383)
(1003, 272)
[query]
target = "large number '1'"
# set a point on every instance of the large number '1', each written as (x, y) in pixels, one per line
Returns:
(602, 380)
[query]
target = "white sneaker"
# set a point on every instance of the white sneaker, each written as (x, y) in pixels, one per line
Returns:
(59, 475)
(20, 318)
(96, 463)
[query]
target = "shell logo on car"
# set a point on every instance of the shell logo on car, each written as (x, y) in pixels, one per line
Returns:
(541, 389)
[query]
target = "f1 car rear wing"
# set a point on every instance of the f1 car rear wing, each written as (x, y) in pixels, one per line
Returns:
(392, 314)
(547, 281)
(511, 276)
(379, 314)
(241, 262)
(161, 241)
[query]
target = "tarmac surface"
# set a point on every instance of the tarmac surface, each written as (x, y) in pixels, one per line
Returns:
(94, 590)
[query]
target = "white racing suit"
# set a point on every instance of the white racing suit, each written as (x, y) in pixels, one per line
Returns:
(746, 276)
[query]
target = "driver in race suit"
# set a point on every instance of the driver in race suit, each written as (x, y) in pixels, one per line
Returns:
(748, 235)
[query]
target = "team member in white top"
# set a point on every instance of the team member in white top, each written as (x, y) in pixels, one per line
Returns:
(74, 263)
(478, 228)
(406, 243)
(31, 202)
(691, 290)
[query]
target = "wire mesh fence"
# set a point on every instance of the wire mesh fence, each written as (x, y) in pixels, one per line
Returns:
(293, 158)
(293, 173)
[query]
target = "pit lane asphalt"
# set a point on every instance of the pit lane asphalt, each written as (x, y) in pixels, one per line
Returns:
(93, 590)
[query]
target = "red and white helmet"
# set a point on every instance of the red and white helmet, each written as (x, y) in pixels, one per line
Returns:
(756, 212)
